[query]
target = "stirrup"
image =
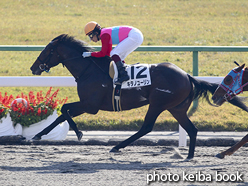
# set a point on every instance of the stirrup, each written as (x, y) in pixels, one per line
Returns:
(119, 81)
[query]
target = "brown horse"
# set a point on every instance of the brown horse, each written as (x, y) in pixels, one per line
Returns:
(172, 89)
(233, 84)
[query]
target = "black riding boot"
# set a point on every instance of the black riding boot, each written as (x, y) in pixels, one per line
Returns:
(122, 73)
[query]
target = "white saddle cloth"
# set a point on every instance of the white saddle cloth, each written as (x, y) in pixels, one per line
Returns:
(139, 75)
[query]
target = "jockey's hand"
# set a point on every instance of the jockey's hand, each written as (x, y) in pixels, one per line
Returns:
(86, 54)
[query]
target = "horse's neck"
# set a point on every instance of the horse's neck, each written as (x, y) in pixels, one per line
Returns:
(85, 67)
(78, 67)
(72, 60)
(82, 66)
(245, 79)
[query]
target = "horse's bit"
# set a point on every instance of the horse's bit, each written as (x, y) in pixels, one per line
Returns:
(235, 87)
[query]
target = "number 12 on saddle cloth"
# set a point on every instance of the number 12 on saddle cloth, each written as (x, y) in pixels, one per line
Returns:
(139, 76)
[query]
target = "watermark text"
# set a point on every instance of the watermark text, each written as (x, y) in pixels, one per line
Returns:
(194, 177)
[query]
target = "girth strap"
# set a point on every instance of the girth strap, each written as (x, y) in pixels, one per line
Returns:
(116, 101)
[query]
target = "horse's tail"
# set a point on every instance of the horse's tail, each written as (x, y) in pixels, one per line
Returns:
(203, 88)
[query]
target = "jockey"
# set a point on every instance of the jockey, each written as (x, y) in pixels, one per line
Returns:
(127, 39)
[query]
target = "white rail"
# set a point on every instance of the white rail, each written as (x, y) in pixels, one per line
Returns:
(59, 81)
(37, 81)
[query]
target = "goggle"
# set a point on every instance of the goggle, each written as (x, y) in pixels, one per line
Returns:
(91, 35)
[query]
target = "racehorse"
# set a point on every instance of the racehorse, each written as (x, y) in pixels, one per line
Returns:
(233, 84)
(171, 89)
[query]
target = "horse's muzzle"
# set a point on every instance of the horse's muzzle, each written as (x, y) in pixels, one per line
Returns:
(218, 100)
(36, 72)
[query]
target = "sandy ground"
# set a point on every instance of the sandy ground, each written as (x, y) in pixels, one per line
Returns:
(134, 165)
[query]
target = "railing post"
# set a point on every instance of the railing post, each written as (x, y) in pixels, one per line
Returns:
(195, 73)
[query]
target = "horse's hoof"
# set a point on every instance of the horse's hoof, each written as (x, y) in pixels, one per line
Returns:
(36, 137)
(79, 135)
(221, 156)
(114, 150)
(188, 159)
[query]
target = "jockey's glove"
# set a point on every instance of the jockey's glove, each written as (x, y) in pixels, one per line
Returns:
(86, 54)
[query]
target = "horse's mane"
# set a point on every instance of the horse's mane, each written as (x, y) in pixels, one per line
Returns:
(72, 42)
(82, 46)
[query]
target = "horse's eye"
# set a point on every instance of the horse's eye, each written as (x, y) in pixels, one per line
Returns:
(228, 80)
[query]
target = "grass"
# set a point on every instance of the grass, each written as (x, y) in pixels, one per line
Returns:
(165, 23)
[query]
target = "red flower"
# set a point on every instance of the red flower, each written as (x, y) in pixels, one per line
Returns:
(27, 111)
(38, 97)
(23, 110)
(1, 111)
(39, 112)
(48, 92)
(44, 105)
(31, 109)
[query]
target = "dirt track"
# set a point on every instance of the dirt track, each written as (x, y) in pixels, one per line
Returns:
(94, 165)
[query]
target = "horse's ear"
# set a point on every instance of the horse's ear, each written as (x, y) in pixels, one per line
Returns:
(54, 42)
(238, 69)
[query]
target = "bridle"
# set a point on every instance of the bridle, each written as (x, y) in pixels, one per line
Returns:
(45, 67)
(235, 87)
(44, 63)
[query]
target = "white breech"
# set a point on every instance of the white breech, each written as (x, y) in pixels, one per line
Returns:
(128, 45)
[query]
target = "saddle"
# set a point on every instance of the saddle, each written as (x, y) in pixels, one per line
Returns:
(139, 76)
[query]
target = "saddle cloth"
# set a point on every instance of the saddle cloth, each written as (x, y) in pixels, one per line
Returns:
(139, 75)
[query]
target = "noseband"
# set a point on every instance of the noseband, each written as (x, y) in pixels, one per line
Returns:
(235, 87)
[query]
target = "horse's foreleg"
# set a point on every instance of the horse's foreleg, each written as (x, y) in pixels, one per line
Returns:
(68, 110)
(71, 110)
(188, 126)
(45, 131)
(234, 148)
(150, 119)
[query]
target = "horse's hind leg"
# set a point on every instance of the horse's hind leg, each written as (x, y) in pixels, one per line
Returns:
(184, 121)
(147, 126)
(68, 110)
(234, 148)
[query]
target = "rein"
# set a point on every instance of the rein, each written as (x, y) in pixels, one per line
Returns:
(44, 63)
(98, 66)
(80, 75)
(70, 59)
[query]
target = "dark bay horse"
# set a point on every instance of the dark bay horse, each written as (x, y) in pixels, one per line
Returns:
(172, 89)
(233, 84)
